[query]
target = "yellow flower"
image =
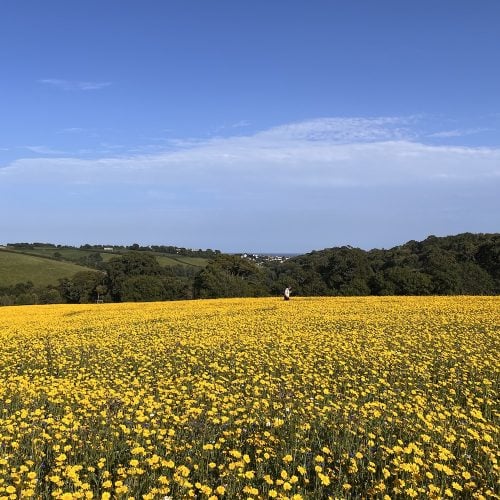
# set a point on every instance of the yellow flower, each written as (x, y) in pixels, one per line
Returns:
(146, 377)
(250, 490)
(325, 480)
(206, 490)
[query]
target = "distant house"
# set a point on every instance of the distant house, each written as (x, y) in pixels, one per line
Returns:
(108, 249)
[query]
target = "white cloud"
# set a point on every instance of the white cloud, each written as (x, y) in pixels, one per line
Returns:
(344, 130)
(313, 184)
(316, 153)
(458, 132)
(74, 85)
(44, 150)
(241, 124)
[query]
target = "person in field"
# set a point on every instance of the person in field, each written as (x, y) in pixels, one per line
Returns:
(286, 294)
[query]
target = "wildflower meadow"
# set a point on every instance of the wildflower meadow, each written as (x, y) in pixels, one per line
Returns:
(315, 398)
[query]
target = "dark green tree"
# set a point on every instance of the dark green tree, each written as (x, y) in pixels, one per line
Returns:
(81, 288)
(142, 289)
(408, 281)
(348, 272)
(128, 265)
(488, 256)
(230, 276)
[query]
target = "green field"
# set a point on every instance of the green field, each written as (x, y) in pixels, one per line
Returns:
(17, 267)
(176, 260)
(40, 266)
(66, 253)
(74, 254)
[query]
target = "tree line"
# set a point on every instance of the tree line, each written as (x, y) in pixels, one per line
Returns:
(453, 265)
(465, 264)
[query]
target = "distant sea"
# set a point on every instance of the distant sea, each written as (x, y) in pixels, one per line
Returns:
(277, 254)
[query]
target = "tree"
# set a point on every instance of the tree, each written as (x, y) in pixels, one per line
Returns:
(81, 288)
(230, 276)
(407, 281)
(488, 256)
(348, 272)
(177, 287)
(49, 296)
(92, 260)
(128, 265)
(444, 270)
(142, 289)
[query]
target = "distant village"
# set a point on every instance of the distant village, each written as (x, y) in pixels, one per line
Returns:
(261, 258)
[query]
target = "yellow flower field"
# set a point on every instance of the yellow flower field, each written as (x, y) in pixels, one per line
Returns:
(251, 398)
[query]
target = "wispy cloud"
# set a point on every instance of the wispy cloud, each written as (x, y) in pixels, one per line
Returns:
(321, 152)
(74, 85)
(345, 130)
(359, 178)
(241, 124)
(458, 132)
(229, 128)
(44, 150)
(71, 130)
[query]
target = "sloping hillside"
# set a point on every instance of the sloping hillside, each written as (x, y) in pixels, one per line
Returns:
(16, 267)
(81, 256)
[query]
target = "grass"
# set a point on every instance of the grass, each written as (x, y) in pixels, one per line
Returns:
(175, 260)
(74, 254)
(66, 253)
(16, 267)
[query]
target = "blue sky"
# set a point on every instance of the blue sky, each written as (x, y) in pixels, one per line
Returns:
(280, 126)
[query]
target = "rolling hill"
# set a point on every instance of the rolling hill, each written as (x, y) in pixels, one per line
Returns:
(75, 255)
(16, 267)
